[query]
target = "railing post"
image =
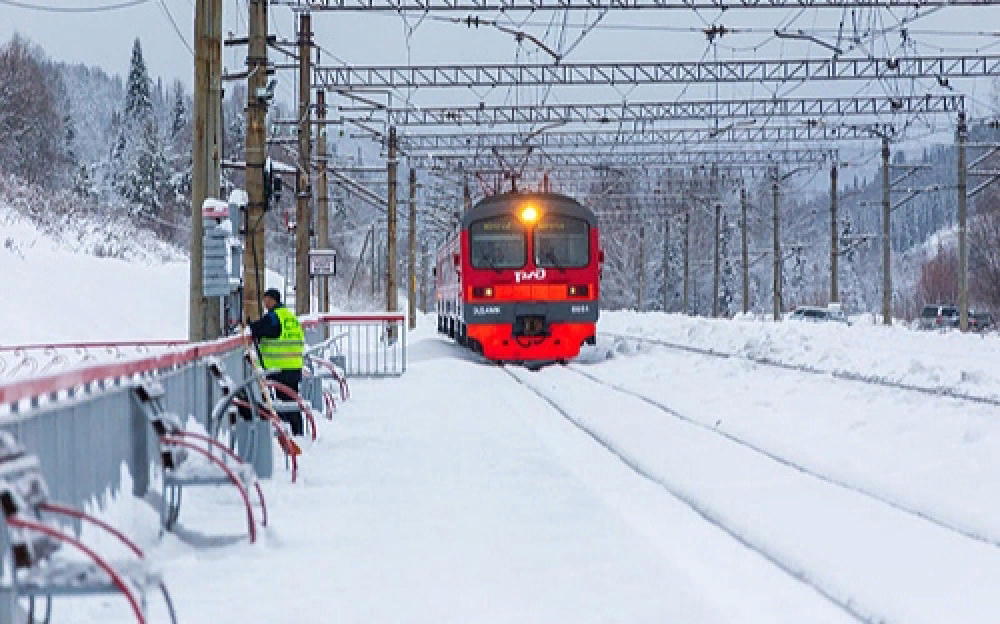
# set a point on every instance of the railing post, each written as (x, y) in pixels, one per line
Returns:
(139, 466)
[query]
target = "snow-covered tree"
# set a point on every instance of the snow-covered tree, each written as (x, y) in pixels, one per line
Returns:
(138, 100)
(178, 111)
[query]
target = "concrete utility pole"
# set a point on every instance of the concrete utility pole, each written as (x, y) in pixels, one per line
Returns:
(666, 264)
(466, 195)
(204, 313)
(322, 195)
(687, 259)
(776, 227)
(412, 294)
(390, 248)
(745, 250)
(886, 255)
(834, 237)
(255, 259)
(715, 276)
(961, 136)
(303, 183)
(642, 262)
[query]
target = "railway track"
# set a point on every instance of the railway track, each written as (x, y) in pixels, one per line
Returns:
(839, 374)
(715, 510)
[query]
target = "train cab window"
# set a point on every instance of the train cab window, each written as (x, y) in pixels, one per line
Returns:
(497, 243)
(562, 242)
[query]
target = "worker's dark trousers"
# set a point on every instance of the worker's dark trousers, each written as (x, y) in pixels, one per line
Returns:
(290, 378)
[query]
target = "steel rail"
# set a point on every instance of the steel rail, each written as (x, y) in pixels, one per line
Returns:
(702, 510)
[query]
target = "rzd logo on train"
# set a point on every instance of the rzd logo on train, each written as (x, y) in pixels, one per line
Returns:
(524, 276)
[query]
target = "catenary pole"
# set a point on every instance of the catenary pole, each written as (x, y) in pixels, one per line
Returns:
(412, 294)
(886, 253)
(745, 251)
(255, 258)
(203, 312)
(666, 264)
(642, 262)
(303, 183)
(776, 228)
(715, 272)
(687, 260)
(322, 195)
(390, 248)
(961, 135)
(834, 239)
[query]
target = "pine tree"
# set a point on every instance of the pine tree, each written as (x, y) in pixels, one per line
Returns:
(145, 182)
(178, 115)
(138, 101)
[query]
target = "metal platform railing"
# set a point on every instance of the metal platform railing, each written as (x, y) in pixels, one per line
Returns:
(85, 427)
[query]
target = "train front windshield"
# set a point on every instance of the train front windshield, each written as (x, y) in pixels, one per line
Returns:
(562, 242)
(497, 243)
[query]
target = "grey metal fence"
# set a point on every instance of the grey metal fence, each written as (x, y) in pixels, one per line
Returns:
(84, 427)
(363, 345)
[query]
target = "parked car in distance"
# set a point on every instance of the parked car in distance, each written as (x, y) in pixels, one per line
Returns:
(938, 316)
(981, 321)
(817, 314)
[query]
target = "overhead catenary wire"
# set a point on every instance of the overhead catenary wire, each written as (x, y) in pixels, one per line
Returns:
(173, 23)
(77, 9)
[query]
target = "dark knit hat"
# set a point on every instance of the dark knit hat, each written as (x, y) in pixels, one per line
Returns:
(273, 293)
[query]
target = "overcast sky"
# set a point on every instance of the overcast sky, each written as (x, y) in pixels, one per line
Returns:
(105, 39)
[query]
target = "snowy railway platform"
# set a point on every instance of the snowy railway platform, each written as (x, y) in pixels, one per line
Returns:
(466, 492)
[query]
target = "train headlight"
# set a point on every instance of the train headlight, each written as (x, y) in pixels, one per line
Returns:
(578, 291)
(529, 214)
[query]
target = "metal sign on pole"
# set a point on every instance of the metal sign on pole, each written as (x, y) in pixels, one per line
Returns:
(322, 262)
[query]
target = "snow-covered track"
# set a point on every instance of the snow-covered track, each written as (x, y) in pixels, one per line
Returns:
(802, 368)
(702, 510)
(873, 559)
(985, 539)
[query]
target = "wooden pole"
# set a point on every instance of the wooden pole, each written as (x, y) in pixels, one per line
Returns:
(745, 250)
(412, 294)
(303, 183)
(886, 230)
(390, 248)
(961, 135)
(255, 258)
(204, 315)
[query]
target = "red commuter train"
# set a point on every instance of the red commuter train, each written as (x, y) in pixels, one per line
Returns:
(519, 280)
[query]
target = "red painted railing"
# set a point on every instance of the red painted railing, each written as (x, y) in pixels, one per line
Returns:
(16, 391)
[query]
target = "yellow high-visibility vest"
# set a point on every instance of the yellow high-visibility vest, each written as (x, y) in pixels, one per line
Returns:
(284, 352)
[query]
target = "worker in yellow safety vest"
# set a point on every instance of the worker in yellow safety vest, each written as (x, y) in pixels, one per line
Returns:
(281, 344)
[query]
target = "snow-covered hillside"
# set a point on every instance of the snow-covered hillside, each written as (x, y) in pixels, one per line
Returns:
(80, 279)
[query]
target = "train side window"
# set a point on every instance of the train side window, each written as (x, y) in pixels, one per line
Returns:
(562, 242)
(497, 243)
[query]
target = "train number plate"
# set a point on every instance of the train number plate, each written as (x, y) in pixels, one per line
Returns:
(485, 310)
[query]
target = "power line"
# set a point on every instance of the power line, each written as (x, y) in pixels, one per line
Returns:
(53, 9)
(177, 30)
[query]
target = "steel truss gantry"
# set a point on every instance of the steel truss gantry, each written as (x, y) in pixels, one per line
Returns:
(629, 112)
(621, 74)
(589, 160)
(424, 6)
(418, 144)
